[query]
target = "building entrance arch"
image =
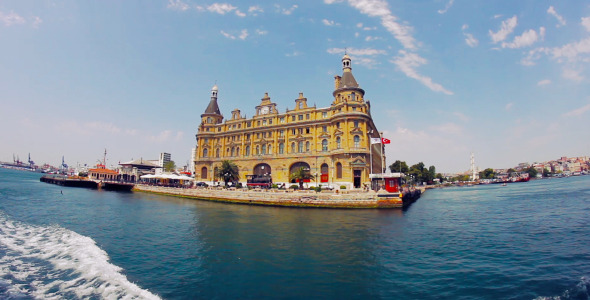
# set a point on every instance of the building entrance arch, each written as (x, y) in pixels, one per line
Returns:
(296, 166)
(324, 172)
(262, 169)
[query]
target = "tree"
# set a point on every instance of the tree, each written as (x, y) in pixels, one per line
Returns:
(532, 172)
(399, 166)
(228, 172)
(169, 166)
(487, 174)
(300, 175)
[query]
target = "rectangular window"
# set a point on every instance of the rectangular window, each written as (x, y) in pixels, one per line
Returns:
(282, 133)
(247, 136)
(258, 123)
(282, 119)
(270, 122)
(354, 109)
(263, 122)
(300, 130)
(307, 130)
(356, 124)
(206, 140)
(300, 117)
(337, 124)
(218, 128)
(324, 114)
(307, 116)
(258, 135)
(292, 118)
(324, 128)
(293, 131)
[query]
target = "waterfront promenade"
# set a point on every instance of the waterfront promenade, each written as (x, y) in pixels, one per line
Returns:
(290, 198)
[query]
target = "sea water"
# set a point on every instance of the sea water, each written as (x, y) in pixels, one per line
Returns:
(520, 241)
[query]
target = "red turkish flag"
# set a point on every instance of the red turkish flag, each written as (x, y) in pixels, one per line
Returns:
(385, 141)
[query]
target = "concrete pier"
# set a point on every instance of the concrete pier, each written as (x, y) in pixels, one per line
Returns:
(273, 197)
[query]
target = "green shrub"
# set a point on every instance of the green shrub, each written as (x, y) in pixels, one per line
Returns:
(294, 186)
(342, 187)
(274, 186)
(318, 188)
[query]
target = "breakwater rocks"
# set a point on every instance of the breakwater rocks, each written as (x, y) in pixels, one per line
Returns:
(325, 199)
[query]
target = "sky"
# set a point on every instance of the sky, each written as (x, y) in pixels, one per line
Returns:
(507, 80)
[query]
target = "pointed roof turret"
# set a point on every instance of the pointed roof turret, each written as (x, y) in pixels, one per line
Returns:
(347, 80)
(213, 108)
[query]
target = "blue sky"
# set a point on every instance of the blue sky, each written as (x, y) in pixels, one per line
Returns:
(507, 80)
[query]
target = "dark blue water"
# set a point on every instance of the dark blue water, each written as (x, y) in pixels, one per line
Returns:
(523, 241)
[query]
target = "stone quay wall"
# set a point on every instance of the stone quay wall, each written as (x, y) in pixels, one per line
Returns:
(326, 199)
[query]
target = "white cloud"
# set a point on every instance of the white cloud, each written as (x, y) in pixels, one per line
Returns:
(559, 18)
(508, 106)
(461, 116)
(506, 29)
(449, 4)
(372, 38)
(240, 14)
(286, 11)
(572, 51)
(227, 35)
(293, 54)
(448, 128)
(243, 34)
(177, 5)
(577, 111)
(586, 23)
(544, 82)
(221, 8)
(408, 62)
(354, 51)
(572, 75)
(254, 10)
(527, 38)
(329, 22)
(380, 9)
(36, 22)
(470, 40)
(11, 19)
(261, 32)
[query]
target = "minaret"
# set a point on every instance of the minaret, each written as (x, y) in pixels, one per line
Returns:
(212, 114)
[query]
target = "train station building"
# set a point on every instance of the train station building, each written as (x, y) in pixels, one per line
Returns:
(333, 143)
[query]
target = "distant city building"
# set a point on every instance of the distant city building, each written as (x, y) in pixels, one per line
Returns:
(333, 143)
(164, 158)
(132, 171)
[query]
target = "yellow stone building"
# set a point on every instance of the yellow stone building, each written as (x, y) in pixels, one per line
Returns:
(334, 142)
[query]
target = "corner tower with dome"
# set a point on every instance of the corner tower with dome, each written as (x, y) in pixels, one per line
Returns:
(333, 143)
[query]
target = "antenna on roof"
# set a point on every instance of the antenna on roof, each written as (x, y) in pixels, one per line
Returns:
(345, 50)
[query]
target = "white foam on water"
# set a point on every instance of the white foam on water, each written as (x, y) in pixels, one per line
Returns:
(51, 262)
(580, 291)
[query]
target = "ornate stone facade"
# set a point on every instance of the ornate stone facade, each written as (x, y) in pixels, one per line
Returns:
(332, 142)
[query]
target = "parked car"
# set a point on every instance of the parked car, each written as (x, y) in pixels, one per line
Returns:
(202, 184)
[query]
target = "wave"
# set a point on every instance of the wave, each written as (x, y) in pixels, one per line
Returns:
(51, 262)
(580, 291)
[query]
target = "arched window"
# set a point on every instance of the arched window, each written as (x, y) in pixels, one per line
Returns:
(324, 145)
(204, 173)
(293, 147)
(338, 170)
(205, 152)
(248, 150)
(238, 151)
(281, 148)
(217, 153)
(208, 119)
(257, 150)
(300, 146)
(357, 141)
(233, 151)
(269, 149)
(338, 143)
(263, 149)
(306, 146)
(227, 152)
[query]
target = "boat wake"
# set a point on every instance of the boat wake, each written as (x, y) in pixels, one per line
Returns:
(580, 291)
(51, 262)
